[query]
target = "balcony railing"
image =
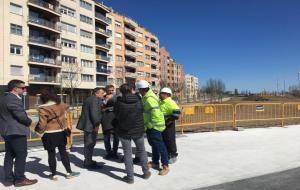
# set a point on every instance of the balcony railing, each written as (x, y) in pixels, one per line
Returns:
(44, 22)
(104, 32)
(131, 75)
(131, 53)
(153, 44)
(43, 78)
(154, 70)
(154, 62)
(130, 42)
(128, 31)
(44, 41)
(45, 60)
(131, 64)
(103, 70)
(102, 57)
(104, 45)
(46, 5)
(103, 18)
(131, 22)
(101, 83)
(154, 53)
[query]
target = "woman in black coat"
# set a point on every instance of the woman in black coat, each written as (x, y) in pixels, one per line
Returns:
(129, 125)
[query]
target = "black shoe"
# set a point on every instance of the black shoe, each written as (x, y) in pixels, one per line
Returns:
(93, 166)
(115, 156)
(146, 175)
(128, 180)
(8, 183)
(108, 157)
(136, 160)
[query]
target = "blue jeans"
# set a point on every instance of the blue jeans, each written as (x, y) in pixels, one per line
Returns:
(107, 144)
(159, 149)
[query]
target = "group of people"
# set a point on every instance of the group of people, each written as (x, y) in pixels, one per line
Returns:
(125, 117)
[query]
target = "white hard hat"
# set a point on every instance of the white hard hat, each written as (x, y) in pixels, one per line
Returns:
(142, 84)
(166, 90)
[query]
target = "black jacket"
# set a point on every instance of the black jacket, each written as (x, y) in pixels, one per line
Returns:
(13, 118)
(108, 115)
(129, 121)
(90, 114)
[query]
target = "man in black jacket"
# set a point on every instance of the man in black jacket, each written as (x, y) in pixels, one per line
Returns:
(89, 122)
(14, 128)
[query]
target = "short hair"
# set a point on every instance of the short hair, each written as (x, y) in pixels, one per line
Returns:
(48, 94)
(108, 87)
(125, 88)
(13, 84)
(95, 90)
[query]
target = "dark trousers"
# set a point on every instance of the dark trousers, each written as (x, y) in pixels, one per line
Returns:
(159, 149)
(63, 156)
(89, 144)
(169, 137)
(15, 149)
(140, 152)
(107, 135)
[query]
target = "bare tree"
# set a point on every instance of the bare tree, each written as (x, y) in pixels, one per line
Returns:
(70, 78)
(215, 89)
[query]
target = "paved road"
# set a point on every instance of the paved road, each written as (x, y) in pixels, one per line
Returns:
(286, 180)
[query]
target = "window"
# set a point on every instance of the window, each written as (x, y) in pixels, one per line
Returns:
(68, 59)
(146, 38)
(86, 19)
(16, 9)
(85, 5)
(67, 11)
(119, 58)
(147, 47)
(139, 53)
(86, 34)
(86, 49)
(16, 70)
(140, 63)
(16, 29)
(15, 49)
(118, 35)
(110, 57)
(139, 44)
(139, 34)
(147, 56)
(118, 24)
(68, 27)
(87, 63)
(119, 46)
(68, 43)
(87, 78)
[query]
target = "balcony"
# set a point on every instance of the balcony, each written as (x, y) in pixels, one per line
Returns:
(43, 79)
(154, 62)
(106, 33)
(154, 70)
(153, 44)
(102, 45)
(130, 22)
(45, 6)
(103, 18)
(154, 54)
(102, 58)
(101, 83)
(131, 64)
(130, 75)
(44, 23)
(130, 43)
(103, 70)
(131, 53)
(44, 61)
(130, 32)
(41, 41)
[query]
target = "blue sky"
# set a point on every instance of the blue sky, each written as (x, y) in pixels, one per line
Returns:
(249, 44)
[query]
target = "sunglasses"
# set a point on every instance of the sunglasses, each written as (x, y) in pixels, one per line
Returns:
(23, 88)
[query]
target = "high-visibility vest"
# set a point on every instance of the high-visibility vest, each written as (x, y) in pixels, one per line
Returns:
(153, 116)
(169, 108)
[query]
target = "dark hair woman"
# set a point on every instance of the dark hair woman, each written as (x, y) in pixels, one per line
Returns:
(52, 122)
(130, 127)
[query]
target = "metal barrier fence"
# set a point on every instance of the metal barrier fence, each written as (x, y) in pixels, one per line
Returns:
(213, 116)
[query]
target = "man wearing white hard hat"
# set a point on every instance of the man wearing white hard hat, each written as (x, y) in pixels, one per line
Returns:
(154, 124)
(171, 113)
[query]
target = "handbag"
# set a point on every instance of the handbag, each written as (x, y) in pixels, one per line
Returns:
(67, 131)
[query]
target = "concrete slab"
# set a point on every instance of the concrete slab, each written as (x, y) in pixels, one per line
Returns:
(205, 159)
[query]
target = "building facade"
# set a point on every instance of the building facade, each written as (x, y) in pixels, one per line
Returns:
(191, 87)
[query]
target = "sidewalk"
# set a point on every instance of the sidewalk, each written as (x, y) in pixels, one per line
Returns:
(205, 159)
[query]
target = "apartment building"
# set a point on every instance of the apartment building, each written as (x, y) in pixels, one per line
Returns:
(61, 44)
(191, 87)
(136, 52)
